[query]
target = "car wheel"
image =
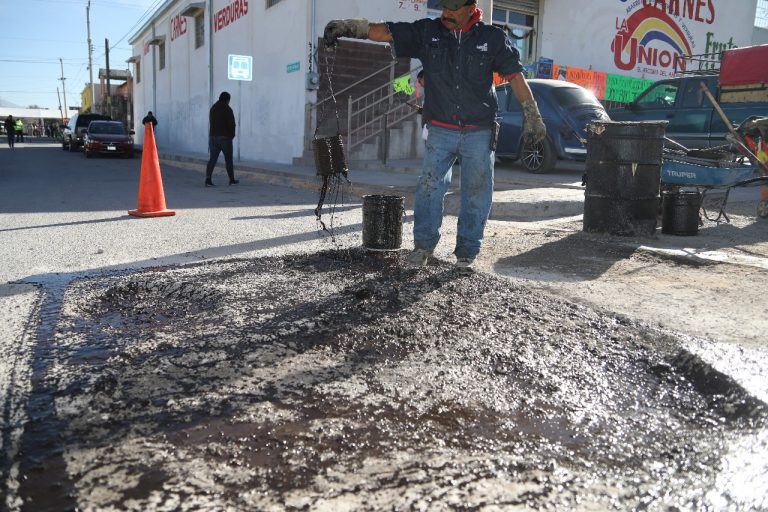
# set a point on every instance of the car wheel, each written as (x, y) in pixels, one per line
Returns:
(64, 145)
(538, 158)
(88, 154)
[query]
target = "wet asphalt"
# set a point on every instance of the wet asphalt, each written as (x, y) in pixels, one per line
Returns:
(343, 380)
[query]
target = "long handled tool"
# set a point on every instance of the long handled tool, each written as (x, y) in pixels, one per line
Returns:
(738, 139)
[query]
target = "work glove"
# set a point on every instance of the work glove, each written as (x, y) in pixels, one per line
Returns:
(534, 129)
(335, 29)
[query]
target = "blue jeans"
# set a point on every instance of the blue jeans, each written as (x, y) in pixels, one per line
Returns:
(472, 148)
(215, 146)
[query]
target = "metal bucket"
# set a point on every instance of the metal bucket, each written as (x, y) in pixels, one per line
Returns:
(329, 156)
(680, 213)
(623, 177)
(383, 222)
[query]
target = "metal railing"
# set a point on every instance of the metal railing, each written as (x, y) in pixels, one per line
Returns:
(368, 116)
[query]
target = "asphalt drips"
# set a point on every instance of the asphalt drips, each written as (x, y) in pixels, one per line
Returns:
(345, 381)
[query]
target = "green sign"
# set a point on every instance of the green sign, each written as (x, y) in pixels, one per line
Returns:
(625, 88)
(293, 67)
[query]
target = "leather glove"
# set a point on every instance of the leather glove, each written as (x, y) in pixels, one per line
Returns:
(335, 29)
(534, 129)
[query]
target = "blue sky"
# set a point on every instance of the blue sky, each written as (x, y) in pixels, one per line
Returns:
(34, 34)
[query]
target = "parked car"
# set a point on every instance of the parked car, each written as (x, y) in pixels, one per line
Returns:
(74, 130)
(693, 120)
(108, 138)
(566, 108)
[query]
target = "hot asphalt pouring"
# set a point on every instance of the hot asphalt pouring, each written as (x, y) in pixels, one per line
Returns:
(342, 380)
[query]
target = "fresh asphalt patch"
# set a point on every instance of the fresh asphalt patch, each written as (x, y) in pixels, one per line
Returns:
(344, 380)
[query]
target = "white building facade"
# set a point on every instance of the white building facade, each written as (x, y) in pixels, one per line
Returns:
(181, 56)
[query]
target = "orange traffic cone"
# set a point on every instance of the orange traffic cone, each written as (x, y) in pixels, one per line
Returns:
(151, 195)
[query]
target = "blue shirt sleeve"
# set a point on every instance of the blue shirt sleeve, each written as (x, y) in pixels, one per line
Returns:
(407, 38)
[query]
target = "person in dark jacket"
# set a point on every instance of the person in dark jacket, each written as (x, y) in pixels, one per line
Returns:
(221, 132)
(10, 130)
(150, 118)
(460, 53)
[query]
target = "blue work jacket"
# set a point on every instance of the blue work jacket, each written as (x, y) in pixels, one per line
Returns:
(458, 68)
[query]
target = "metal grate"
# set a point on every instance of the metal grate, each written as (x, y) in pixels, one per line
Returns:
(530, 7)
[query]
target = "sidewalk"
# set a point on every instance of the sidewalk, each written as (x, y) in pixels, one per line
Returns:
(517, 196)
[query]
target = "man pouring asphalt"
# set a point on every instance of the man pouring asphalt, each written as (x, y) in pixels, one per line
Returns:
(459, 53)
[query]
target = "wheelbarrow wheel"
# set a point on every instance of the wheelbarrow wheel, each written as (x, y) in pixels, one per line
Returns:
(762, 209)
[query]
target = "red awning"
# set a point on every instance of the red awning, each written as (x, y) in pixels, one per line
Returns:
(743, 66)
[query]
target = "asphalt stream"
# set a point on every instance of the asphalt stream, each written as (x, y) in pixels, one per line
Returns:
(344, 381)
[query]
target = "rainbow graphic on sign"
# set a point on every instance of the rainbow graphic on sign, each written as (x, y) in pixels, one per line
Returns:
(637, 42)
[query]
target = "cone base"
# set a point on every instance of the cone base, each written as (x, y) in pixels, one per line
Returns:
(159, 213)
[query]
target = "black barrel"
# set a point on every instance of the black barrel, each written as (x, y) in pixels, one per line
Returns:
(623, 177)
(680, 213)
(383, 222)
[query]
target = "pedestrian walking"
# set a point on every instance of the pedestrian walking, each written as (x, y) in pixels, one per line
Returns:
(460, 53)
(19, 130)
(150, 118)
(221, 132)
(10, 130)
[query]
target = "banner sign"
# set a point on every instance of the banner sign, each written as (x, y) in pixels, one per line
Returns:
(624, 88)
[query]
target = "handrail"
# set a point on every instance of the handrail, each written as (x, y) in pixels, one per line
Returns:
(337, 93)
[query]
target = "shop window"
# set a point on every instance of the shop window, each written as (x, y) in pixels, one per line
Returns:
(199, 31)
(272, 3)
(161, 55)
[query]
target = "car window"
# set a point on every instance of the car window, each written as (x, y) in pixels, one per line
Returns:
(693, 96)
(96, 128)
(569, 97)
(659, 95)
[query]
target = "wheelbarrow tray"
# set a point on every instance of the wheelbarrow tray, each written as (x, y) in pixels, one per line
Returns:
(675, 172)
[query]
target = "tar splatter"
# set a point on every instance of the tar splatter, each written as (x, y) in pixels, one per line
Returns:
(346, 381)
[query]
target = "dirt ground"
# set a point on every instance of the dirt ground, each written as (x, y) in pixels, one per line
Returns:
(712, 285)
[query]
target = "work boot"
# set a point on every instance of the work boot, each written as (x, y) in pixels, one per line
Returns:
(234, 182)
(465, 265)
(209, 183)
(418, 258)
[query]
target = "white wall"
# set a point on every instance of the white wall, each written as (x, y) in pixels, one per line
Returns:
(582, 33)
(270, 110)
(760, 36)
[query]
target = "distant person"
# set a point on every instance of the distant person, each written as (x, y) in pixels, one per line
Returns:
(10, 130)
(221, 132)
(150, 118)
(19, 130)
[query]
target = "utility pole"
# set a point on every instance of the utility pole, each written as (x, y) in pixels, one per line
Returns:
(109, 92)
(60, 111)
(63, 88)
(90, 53)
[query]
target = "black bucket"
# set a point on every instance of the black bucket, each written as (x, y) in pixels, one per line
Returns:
(383, 222)
(329, 156)
(623, 177)
(680, 213)
(323, 159)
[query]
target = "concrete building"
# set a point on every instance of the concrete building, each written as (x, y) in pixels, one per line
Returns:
(266, 54)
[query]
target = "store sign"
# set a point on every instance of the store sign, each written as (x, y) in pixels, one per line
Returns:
(178, 26)
(293, 67)
(650, 39)
(240, 67)
(229, 14)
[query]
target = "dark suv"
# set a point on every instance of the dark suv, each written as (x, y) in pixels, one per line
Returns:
(75, 129)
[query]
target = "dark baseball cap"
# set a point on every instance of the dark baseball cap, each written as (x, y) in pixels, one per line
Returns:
(456, 4)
